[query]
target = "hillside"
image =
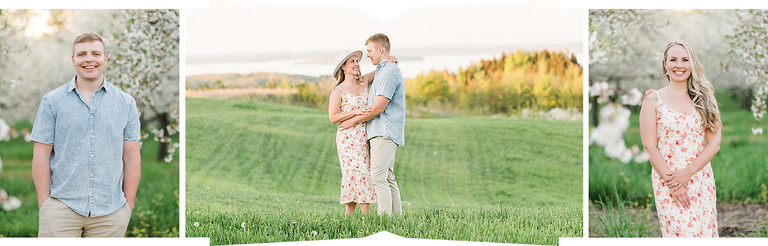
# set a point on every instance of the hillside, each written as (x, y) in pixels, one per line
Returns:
(262, 163)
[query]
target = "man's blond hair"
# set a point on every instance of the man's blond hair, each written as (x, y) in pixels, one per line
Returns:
(88, 37)
(379, 39)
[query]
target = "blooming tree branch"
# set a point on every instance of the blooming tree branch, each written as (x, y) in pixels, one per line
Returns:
(146, 65)
(750, 41)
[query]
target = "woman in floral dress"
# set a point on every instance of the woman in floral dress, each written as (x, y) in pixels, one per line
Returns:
(680, 128)
(349, 98)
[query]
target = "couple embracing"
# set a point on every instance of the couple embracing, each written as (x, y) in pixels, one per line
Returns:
(370, 110)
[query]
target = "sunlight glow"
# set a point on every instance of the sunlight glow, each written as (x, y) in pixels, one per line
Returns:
(37, 25)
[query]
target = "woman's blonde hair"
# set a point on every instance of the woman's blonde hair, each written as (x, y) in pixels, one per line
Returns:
(700, 89)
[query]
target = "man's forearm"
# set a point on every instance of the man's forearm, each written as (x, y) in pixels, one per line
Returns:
(365, 117)
(131, 173)
(41, 176)
(41, 171)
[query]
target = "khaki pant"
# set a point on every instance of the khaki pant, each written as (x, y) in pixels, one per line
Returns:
(383, 175)
(58, 220)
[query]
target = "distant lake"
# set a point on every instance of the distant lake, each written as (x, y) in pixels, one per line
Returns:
(410, 68)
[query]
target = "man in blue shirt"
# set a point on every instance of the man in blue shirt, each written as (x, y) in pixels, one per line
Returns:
(386, 124)
(86, 164)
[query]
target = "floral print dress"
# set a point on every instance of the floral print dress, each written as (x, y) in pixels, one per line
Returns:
(354, 157)
(680, 139)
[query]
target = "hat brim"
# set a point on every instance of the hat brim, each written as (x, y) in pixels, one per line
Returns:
(357, 53)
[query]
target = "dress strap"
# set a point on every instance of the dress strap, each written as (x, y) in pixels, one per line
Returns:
(658, 98)
(345, 92)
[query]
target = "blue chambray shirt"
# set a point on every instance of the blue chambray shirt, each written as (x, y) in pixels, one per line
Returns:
(87, 158)
(388, 82)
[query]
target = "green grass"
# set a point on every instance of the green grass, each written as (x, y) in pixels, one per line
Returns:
(506, 180)
(618, 218)
(740, 167)
(156, 212)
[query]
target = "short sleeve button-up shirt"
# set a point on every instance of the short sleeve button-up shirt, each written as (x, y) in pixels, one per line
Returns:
(87, 158)
(388, 82)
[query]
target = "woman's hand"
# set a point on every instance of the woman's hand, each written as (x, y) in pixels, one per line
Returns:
(681, 197)
(677, 179)
(393, 59)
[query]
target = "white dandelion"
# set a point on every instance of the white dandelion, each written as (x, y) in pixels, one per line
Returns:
(242, 225)
(197, 224)
(314, 233)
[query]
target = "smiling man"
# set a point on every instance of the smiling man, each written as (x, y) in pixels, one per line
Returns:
(86, 165)
(385, 129)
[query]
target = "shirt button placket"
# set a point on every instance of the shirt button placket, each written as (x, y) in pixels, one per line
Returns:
(91, 161)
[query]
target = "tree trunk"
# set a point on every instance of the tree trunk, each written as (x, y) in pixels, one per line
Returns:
(163, 147)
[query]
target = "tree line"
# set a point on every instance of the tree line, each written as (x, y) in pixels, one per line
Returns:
(540, 80)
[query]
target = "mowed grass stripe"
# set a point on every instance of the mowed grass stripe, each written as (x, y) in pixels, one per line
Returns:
(489, 160)
(254, 161)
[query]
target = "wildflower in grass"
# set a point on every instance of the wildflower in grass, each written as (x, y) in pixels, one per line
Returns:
(197, 224)
(242, 225)
(363, 218)
(314, 233)
(757, 131)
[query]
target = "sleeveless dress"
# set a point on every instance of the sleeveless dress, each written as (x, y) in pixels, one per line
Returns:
(680, 139)
(354, 157)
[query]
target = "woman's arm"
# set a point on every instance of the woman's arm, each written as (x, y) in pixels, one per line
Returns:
(334, 108)
(648, 134)
(368, 78)
(683, 176)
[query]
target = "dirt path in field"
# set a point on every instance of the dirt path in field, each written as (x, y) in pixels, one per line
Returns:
(733, 220)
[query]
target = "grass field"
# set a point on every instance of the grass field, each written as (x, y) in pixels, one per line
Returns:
(740, 170)
(275, 168)
(156, 213)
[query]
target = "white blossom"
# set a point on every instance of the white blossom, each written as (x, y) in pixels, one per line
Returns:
(757, 131)
(602, 90)
(614, 121)
(633, 97)
(11, 204)
(4, 131)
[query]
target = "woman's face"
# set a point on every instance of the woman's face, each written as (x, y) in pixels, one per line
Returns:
(678, 64)
(352, 67)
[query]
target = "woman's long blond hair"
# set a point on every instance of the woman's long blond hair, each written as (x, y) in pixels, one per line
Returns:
(700, 89)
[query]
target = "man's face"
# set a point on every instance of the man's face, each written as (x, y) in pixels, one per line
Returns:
(89, 60)
(374, 52)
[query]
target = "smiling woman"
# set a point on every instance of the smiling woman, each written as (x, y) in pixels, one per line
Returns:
(680, 145)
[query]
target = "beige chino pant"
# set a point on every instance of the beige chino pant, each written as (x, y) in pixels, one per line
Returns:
(58, 220)
(383, 175)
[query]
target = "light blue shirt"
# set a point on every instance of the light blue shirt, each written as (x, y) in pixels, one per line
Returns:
(87, 158)
(388, 82)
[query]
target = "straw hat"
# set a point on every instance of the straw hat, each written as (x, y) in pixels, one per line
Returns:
(342, 59)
